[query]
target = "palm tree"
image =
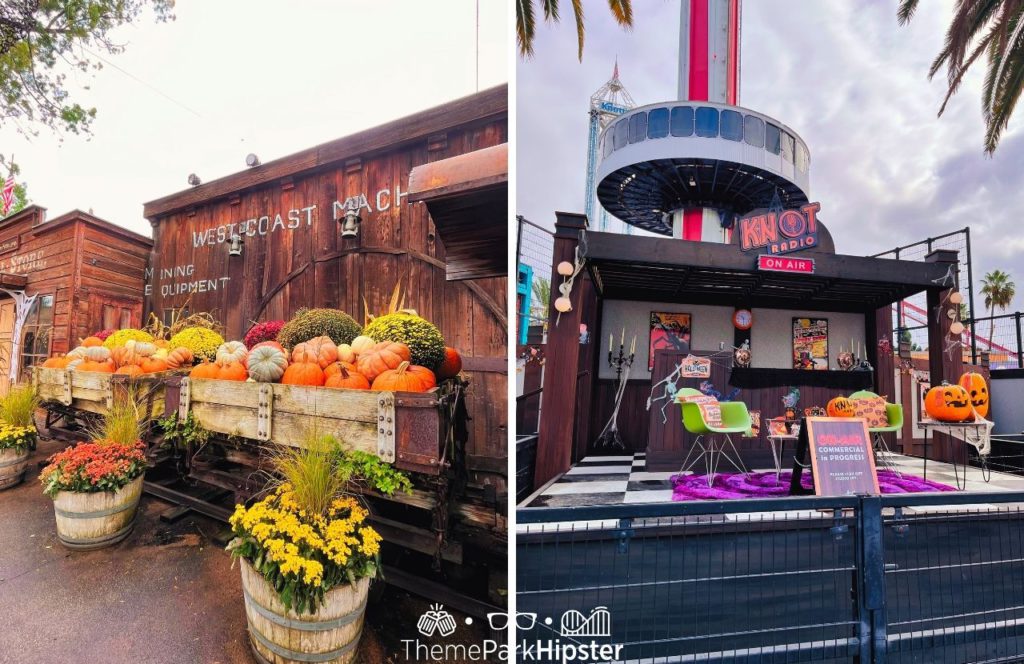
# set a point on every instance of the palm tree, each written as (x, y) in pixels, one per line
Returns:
(622, 10)
(993, 28)
(998, 290)
(541, 288)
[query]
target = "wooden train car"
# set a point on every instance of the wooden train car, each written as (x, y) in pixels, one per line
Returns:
(335, 226)
(85, 274)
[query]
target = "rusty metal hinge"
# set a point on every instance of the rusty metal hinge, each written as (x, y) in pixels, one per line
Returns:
(264, 411)
(184, 397)
(386, 426)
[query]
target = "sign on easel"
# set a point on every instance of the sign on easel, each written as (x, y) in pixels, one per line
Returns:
(842, 461)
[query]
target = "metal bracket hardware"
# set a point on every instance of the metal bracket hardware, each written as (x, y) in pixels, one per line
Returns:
(840, 528)
(899, 528)
(65, 379)
(386, 426)
(264, 411)
(624, 533)
(184, 397)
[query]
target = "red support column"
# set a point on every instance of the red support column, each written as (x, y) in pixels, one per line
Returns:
(562, 358)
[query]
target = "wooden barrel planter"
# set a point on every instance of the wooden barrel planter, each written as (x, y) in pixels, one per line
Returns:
(13, 462)
(280, 636)
(95, 520)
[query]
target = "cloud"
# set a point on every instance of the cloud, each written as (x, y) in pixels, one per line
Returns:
(845, 76)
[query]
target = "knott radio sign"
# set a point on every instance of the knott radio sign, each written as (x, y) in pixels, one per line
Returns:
(780, 232)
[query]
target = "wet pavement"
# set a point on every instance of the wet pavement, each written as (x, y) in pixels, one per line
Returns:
(166, 595)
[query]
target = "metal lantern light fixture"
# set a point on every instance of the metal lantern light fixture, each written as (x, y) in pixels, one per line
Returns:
(194, 180)
(350, 224)
(251, 160)
(235, 248)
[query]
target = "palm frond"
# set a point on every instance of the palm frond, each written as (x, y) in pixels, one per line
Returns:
(906, 10)
(1006, 95)
(525, 27)
(577, 11)
(622, 10)
(954, 84)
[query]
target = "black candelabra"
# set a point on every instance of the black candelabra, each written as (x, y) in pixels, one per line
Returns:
(621, 362)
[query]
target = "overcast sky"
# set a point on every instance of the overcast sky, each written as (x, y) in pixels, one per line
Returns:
(845, 76)
(253, 76)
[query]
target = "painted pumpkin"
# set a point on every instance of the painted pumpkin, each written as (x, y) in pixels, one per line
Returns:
(231, 371)
(347, 377)
(361, 344)
(231, 351)
(318, 349)
(977, 390)
(89, 342)
(204, 370)
(130, 370)
(153, 365)
(948, 403)
(382, 357)
(840, 407)
(406, 378)
(179, 357)
(266, 364)
(106, 366)
(451, 365)
(303, 373)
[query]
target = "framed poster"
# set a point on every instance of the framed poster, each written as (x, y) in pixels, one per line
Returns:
(810, 343)
(669, 331)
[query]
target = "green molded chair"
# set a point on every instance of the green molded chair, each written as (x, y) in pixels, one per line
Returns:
(893, 413)
(735, 419)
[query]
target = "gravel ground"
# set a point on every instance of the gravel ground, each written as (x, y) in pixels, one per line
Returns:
(166, 595)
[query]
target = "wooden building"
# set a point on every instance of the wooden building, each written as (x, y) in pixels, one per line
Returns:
(336, 226)
(69, 277)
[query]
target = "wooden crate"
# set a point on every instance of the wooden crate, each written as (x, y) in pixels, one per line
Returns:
(408, 429)
(94, 391)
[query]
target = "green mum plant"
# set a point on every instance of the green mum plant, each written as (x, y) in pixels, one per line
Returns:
(202, 341)
(309, 323)
(421, 336)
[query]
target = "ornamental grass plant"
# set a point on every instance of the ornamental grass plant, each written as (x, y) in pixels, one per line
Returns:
(18, 406)
(123, 423)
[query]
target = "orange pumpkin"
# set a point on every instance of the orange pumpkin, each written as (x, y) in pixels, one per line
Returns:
(150, 365)
(406, 378)
(56, 363)
(977, 389)
(204, 370)
(318, 349)
(335, 368)
(840, 407)
(346, 376)
(106, 366)
(179, 357)
(119, 354)
(948, 403)
(130, 370)
(231, 371)
(451, 365)
(89, 342)
(382, 357)
(303, 373)
(162, 343)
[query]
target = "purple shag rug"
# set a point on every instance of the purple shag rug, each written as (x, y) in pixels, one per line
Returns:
(729, 486)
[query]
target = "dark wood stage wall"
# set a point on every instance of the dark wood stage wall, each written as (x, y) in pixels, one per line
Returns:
(288, 213)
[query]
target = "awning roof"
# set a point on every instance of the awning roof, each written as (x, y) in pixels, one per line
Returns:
(662, 270)
(467, 197)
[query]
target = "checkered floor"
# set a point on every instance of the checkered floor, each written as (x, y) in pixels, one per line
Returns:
(614, 480)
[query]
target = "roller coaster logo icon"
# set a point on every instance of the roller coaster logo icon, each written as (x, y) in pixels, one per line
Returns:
(597, 624)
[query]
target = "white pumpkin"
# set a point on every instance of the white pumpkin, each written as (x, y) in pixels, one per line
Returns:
(73, 364)
(267, 364)
(346, 354)
(361, 344)
(97, 354)
(141, 348)
(231, 351)
(77, 352)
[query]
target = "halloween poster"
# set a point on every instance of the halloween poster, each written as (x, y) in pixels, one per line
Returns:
(810, 343)
(669, 331)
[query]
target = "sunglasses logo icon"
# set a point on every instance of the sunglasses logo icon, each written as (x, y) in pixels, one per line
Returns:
(500, 621)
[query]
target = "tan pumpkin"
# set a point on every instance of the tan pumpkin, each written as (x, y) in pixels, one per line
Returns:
(179, 357)
(266, 364)
(346, 354)
(321, 350)
(231, 351)
(346, 377)
(204, 370)
(361, 344)
(303, 373)
(406, 378)
(382, 357)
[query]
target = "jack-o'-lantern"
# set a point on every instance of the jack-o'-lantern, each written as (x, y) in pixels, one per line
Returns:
(948, 403)
(840, 407)
(977, 389)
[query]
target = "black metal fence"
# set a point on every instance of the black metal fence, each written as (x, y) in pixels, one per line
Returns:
(900, 578)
